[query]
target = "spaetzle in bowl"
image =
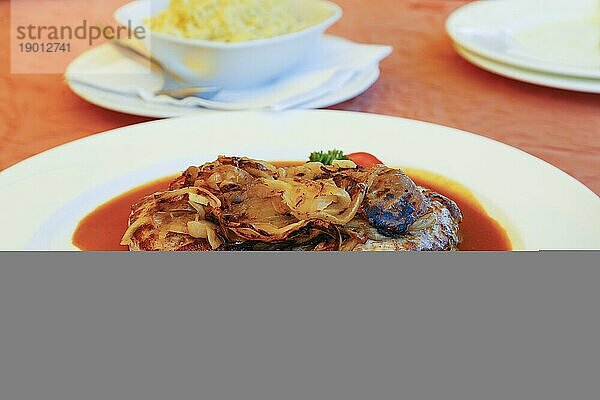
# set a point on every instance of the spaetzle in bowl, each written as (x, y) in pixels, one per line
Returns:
(230, 43)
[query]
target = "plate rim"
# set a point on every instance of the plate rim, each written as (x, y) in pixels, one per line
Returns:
(119, 131)
(525, 75)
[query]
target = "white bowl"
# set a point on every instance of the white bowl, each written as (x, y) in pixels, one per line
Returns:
(231, 65)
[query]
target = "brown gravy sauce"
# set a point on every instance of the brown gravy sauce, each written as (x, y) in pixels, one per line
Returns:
(102, 229)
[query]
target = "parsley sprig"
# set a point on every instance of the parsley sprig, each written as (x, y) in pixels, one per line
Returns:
(327, 157)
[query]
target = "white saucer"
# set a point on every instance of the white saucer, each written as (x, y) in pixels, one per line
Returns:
(552, 36)
(530, 76)
(136, 106)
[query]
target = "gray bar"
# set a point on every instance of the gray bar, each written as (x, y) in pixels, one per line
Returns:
(299, 326)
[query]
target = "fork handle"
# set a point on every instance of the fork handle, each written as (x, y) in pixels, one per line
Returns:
(119, 43)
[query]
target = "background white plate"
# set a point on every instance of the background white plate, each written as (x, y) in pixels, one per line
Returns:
(44, 197)
(555, 81)
(552, 36)
(136, 106)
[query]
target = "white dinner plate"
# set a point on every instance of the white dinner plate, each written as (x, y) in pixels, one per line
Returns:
(136, 106)
(551, 36)
(538, 78)
(44, 197)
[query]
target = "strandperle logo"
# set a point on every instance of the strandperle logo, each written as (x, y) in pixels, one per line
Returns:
(46, 36)
(85, 31)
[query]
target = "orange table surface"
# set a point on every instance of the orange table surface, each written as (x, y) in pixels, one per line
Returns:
(423, 79)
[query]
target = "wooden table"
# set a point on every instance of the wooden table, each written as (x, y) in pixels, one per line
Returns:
(423, 79)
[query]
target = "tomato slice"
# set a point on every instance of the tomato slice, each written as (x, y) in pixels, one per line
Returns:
(363, 159)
